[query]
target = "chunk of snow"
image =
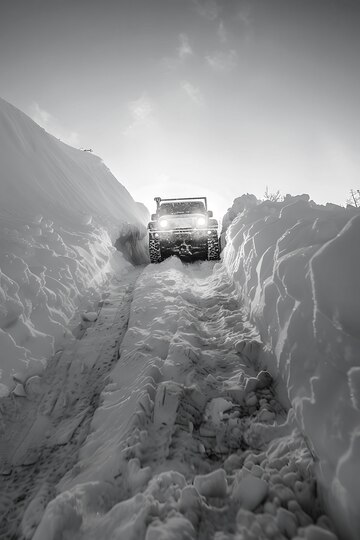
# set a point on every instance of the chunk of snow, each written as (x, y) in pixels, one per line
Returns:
(213, 484)
(33, 386)
(266, 416)
(62, 514)
(19, 390)
(89, 316)
(249, 491)
(313, 532)
(264, 379)
(233, 462)
(137, 476)
(215, 409)
(251, 399)
(286, 522)
(189, 499)
(175, 528)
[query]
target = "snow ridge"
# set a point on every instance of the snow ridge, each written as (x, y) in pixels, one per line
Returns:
(297, 265)
(61, 212)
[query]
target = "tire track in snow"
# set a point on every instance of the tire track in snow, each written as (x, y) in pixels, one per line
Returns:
(204, 447)
(216, 421)
(43, 432)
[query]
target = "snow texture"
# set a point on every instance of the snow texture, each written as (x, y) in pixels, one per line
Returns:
(43, 428)
(61, 211)
(180, 446)
(296, 265)
(209, 401)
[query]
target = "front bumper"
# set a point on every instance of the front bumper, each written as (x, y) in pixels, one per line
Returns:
(185, 242)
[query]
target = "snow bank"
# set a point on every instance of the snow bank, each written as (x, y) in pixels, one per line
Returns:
(297, 267)
(61, 212)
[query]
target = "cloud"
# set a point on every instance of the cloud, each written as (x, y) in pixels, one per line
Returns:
(221, 32)
(244, 15)
(140, 109)
(193, 92)
(184, 49)
(40, 116)
(141, 112)
(52, 125)
(222, 61)
(207, 8)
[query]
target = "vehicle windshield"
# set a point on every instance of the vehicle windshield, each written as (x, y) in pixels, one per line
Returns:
(181, 207)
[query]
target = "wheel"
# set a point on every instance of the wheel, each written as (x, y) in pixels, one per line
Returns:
(213, 250)
(154, 250)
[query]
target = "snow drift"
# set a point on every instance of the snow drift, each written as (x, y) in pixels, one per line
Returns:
(61, 212)
(297, 267)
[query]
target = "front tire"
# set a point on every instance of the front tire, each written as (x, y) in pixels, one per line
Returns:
(213, 248)
(154, 250)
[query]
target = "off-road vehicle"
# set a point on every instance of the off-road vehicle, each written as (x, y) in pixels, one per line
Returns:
(183, 227)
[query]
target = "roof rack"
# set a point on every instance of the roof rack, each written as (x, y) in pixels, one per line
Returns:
(159, 199)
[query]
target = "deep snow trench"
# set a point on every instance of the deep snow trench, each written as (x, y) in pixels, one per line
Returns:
(186, 438)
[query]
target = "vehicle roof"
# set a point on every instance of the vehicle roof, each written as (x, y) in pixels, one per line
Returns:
(181, 207)
(181, 199)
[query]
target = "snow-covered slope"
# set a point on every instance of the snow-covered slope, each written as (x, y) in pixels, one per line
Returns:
(297, 266)
(189, 438)
(61, 211)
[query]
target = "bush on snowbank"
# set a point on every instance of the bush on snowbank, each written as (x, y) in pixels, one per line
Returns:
(297, 267)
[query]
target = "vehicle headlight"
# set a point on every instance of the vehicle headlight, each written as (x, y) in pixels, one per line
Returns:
(164, 223)
(201, 221)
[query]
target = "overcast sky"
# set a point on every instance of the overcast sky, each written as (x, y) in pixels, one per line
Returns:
(195, 97)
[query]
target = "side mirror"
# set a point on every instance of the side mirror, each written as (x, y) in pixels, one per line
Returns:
(153, 217)
(210, 214)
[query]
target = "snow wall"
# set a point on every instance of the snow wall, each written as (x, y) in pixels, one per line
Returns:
(61, 212)
(297, 267)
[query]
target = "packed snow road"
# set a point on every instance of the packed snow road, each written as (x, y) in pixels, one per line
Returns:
(187, 439)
